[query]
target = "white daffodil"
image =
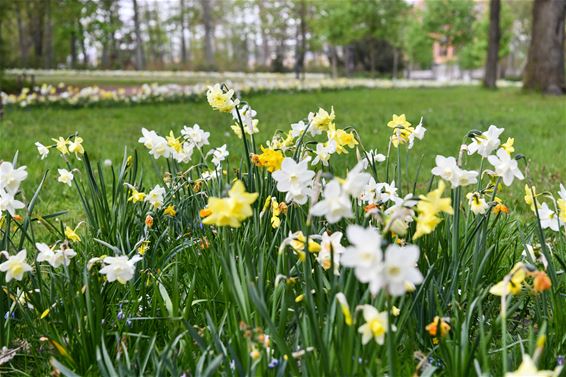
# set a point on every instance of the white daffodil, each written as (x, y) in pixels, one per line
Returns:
(505, 167)
(448, 169)
(323, 152)
(418, 133)
(155, 196)
(375, 327)
(55, 258)
(295, 179)
(65, 176)
(528, 368)
(156, 144)
(400, 273)
(195, 135)
(330, 251)
(548, 218)
(486, 143)
(15, 267)
(356, 180)
(478, 205)
(8, 203)
(372, 157)
(120, 268)
(335, 205)
(219, 154)
(42, 150)
(364, 255)
(298, 128)
(536, 255)
(11, 178)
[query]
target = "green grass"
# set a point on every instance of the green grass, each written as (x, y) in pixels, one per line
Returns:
(537, 123)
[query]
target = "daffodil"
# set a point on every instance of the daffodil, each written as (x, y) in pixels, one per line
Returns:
(345, 308)
(71, 234)
(512, 283)
(341, 138)
(120, 268)
(76, 146)
(402, 130)
(429, 206)
(531, 197)
(136, 196)
(376, 325)
(269, 158)
(234, 209)
(61, 145)
(16, 266)
(321, 121)
(65, 177)
(170, 211)
(508, 145)
(478, 204)
(438, 327)
(220, 100)
(528, 368)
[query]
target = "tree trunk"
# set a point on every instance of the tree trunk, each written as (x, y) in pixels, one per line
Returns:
(334, 61)
(73, 48)
(395, 62)
(264, 36)
(372, 58)
(82, 42)
(21, 36)
(300, 50)
(545, 62)
(183, 28)
(48, 35)
(36, 28)
(140, 58)
(490, 78)
(208, 33)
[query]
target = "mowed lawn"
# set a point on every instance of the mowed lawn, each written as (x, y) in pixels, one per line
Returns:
(538, 124)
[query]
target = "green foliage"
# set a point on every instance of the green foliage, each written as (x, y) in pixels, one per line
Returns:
(450, 21)
(473, 54)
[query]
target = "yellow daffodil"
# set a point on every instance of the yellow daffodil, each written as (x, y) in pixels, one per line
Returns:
(345, 308)
(401, 130)
(562, 208)
(71, 234)
(75, 146)
(508, 145)
(143, 247)
(429, 206)
(341, 138)
(231, 211)
(531, 197)
(174, 142)
(170, 211)
(62, 145)
(512, 283)
(219, 100)
(136, 196)
(269, 158)
(322, 120)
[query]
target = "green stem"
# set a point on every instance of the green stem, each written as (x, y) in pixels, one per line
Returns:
(390, 338)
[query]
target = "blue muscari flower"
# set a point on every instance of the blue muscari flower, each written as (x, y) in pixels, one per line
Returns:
(273, 363)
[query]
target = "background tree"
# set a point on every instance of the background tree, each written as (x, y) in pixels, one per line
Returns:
(494, 38)
(545, 63)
